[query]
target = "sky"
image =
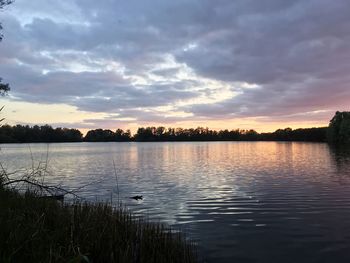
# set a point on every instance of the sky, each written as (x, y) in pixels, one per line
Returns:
(220, 64)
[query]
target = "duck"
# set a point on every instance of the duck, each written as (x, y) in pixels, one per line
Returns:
(137, 197)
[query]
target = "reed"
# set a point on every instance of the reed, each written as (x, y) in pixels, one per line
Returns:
(33, 229)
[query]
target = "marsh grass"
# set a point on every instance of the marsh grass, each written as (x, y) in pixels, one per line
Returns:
(33, 229)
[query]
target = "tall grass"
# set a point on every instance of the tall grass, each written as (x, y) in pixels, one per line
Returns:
(34, 229)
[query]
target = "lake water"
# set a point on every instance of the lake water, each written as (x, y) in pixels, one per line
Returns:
(241, 201)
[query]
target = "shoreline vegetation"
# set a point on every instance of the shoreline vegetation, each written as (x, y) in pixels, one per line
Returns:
(338, 131)
(35, 229)
(48, 134)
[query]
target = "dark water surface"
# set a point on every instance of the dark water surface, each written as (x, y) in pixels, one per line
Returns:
(241, 201)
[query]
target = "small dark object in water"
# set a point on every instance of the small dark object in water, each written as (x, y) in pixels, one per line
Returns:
(137, 197)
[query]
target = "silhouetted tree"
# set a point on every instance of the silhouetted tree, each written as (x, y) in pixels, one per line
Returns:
(121, 136)
(25, 134)
(249, 135)
(46, 133)
(339, 128)
(205, 134)
(4, 3)
(145, 134)
(4, 88)
(100, 135)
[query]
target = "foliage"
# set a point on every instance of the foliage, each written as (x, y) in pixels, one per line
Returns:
(39, 230)
(19, 133)
(4, 88)
(100, 135)
(205, 134)
(339, 128)
(4, 3)
(25, 134)
(198, 134)
(309, 134)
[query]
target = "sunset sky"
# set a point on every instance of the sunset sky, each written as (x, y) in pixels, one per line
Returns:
(220, 64)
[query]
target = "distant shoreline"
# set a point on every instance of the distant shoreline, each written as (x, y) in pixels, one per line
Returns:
(4, 143)
(48, 134)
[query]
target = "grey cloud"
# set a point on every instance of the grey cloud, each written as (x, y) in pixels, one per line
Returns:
(297, 52)
(277, 100)
(169, 72)
(93, 91)
(131, 97)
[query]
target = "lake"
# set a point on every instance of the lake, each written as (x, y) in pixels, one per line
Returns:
(240, 201)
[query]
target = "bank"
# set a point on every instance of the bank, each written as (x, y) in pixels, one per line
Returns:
(34, 229)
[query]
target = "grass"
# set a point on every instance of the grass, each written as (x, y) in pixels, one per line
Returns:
(33, 229)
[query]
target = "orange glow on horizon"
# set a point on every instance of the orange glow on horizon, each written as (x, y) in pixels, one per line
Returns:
(58, 115)
(241, 124)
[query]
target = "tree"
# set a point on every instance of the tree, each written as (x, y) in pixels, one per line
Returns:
(339, 128)
(100, 135)
(4, 3)
(4, 88)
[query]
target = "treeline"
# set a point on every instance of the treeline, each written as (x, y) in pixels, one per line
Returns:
(205, 134)
(27, 134)
(198, 134)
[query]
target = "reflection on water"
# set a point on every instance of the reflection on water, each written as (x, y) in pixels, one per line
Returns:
(341, 158)
(242, 201)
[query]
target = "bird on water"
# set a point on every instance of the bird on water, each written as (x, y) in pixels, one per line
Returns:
(137, 197)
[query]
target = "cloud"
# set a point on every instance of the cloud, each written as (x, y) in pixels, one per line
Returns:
(191, 59)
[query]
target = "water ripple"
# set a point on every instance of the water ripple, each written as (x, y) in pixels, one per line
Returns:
(241, 201)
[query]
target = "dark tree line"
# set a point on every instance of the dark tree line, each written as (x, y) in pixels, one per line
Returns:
(310, 135)
(205, 134)
(198, 134)
(26, 134)
(337, 132)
